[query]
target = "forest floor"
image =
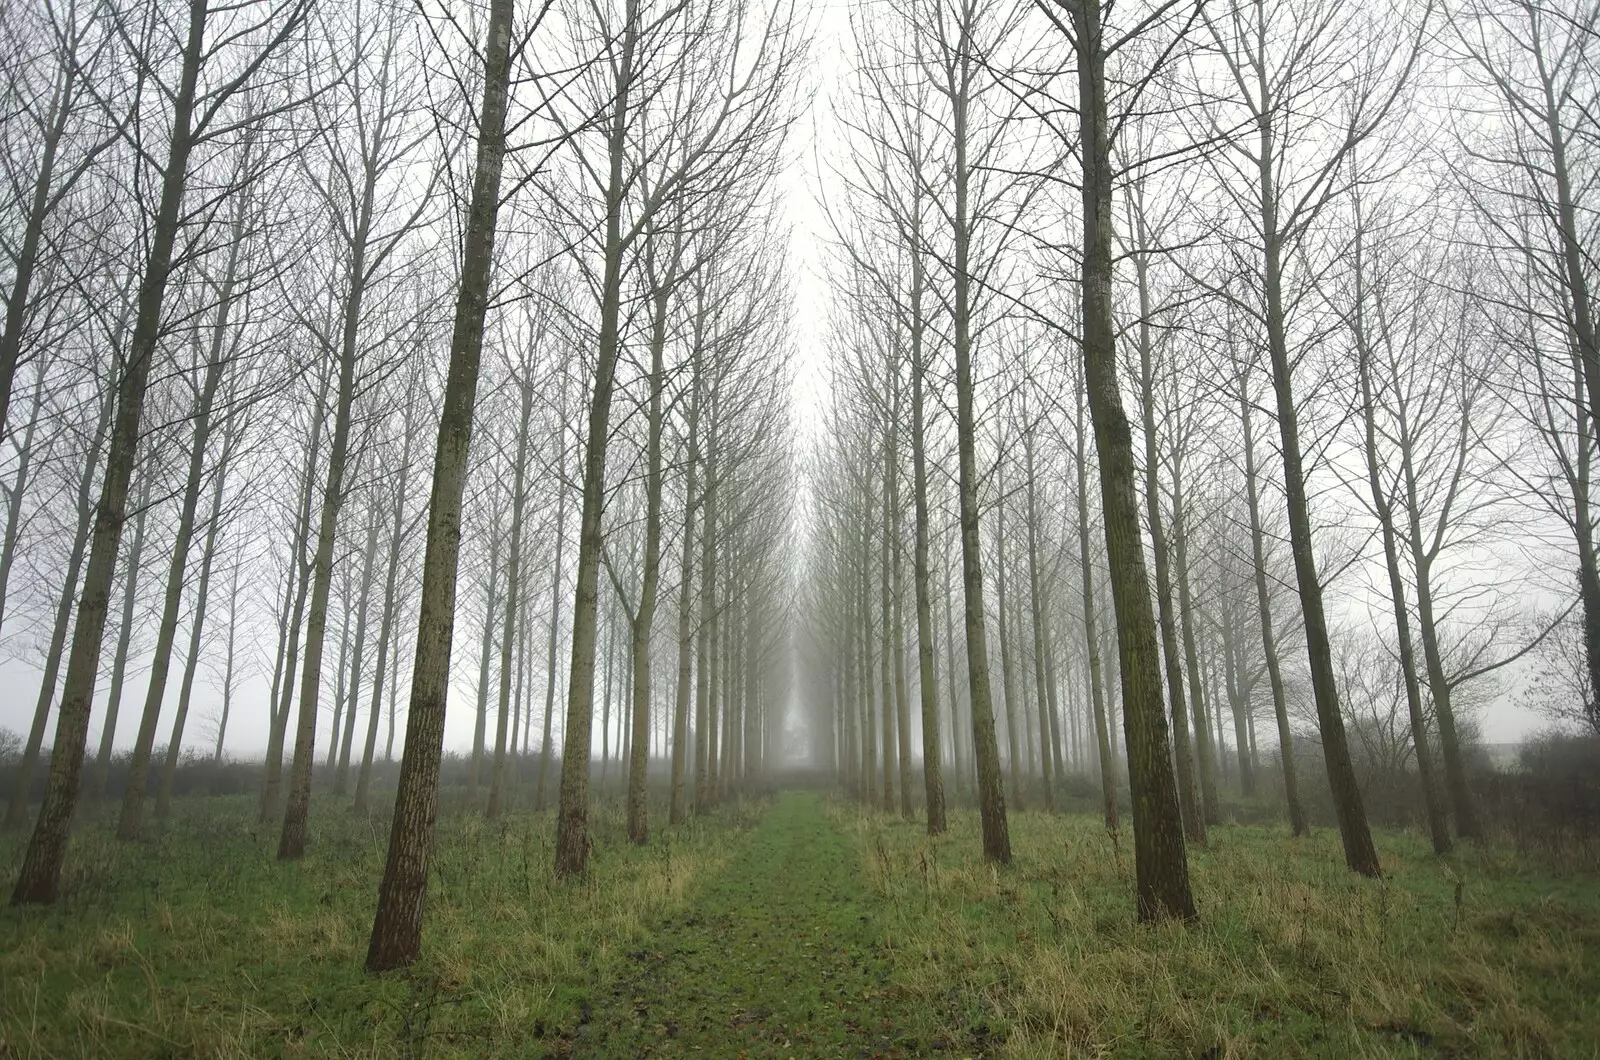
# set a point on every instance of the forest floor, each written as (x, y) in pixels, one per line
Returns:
(801, 926)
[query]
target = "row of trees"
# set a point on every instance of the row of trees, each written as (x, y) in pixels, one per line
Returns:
(1306, 288)
(234, 235)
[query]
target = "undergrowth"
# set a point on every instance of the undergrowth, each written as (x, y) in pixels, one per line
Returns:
(1292, 955)
(196, 942)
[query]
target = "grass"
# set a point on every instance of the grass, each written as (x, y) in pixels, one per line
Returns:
(197, 942)
(1292, 955)
(781, 953)
(802, 927)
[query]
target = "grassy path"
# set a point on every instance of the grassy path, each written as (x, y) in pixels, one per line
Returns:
(779, 954)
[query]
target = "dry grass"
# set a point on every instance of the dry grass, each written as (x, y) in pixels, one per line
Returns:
(1292, 955)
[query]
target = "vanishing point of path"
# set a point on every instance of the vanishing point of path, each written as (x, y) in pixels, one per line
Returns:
(778, 954)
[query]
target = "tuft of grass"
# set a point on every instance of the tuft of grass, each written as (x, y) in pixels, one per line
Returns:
(1476, 955)
(196, 942)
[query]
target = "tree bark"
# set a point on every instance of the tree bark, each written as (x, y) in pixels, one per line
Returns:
(208, 554)
(1091, 638)
(927, 669)
(1269, 647)
(572, 820)
(177, 570)
(1438, 831)
(397, 926)
(1359, 853)
(40, 875)
(508, 629)
(17, 808)
(1161, 865)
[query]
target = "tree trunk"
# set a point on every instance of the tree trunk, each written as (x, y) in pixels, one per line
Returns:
(1239, 703)
(397, 927)
(1269, 647)
(555, 618)
(1438, 831)
(1191, 654)
(300, 577)
(927, 671)
(680, 703)
(639, 751)
(40, 875)
(167, 631)
(1359, 853)
(1091, 638)
(389, 616)
(119, 668)
(991, 796)
(508, 630)
(228, 665)
(368, 562)
(1160, 861)
(1194, 825)
(491, 607)
(19, 489)
(1041, 632)
(17, 808)
(208, 555)
(572, 821)
(1008, 684)
(40, 204)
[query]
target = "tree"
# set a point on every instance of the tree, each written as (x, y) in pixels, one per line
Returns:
(195, 116)
(397, 925)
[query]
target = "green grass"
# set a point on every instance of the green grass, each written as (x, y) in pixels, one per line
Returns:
(804, 927)
(1292, 955)
(197, 942)
(781, 953)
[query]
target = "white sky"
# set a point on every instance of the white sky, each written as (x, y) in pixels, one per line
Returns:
(1505, 721)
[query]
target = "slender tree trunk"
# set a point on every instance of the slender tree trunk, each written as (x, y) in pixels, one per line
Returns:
(40, 204)
(1041, 632)
(1359, 853)
(991, 796)
(963, 766)
(283, 697)
(1091, 638)
(508, 629)
(341, 673)
(166, 634)
(1239, 703)
(19, 488)
(491, 608)
(902, 703)
(1008, 685)
(1191, 654)
(639, 751)
(368, 564)
(886, 632)
(1438, 830)
(1194, 825)
(572, 821)
(208, 555)
(397, 927)
(40, 875)
(680, 704)
(228, 665)
(1161, 862)
(1269, 648)
(555, 626)
(119, 665)
(704, 694)
(927, 669)
(17, 808)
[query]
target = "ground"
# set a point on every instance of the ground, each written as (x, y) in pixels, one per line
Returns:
(798, 926)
